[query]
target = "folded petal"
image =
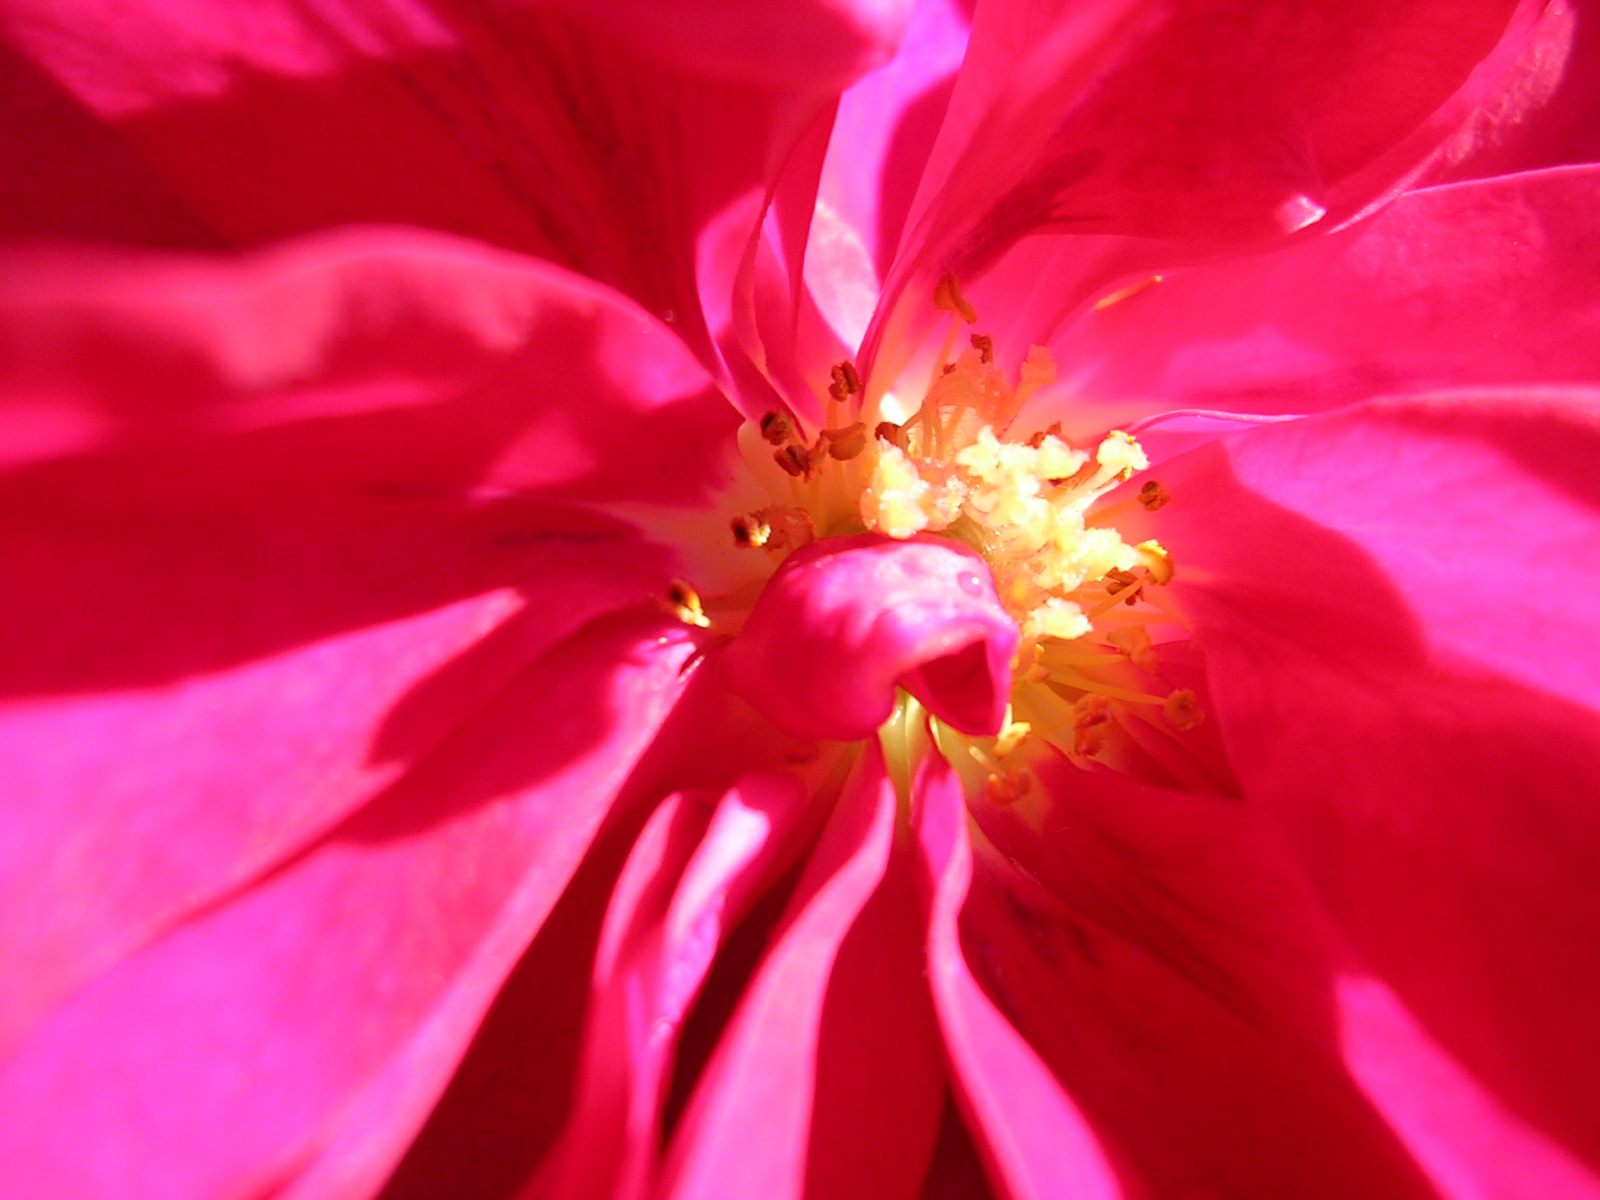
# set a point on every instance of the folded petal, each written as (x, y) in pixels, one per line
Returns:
(1031, 1133)
(687, 882)
(522, 124)
(278, 528)
(847, 620)
(813, 1033)
(295, 1036)
(1152, 136)
(1490, 282)
(1395, 603)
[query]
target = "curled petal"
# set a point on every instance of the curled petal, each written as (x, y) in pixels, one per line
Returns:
(847, 620)
(1032, 1133)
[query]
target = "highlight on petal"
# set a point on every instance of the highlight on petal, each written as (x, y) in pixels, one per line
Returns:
(1464, 1137)
(806, 1038)
(298, 1034)
(1035, 1139)
(1137, 137)
(847, 620)
(1400, 642)
(1472, 284)
(317, 507)
(540, 127)
(692, 872)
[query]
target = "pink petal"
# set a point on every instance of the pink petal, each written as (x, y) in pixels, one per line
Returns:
(1395, 602)
(884, 132)
(1478, 283)
(182, 122)
(1188, 129)
(689, 878)
(293, 526)
(299, 1033)
(812, 1033)
(847, 620)
(1472, 1147)
(1033, 1135)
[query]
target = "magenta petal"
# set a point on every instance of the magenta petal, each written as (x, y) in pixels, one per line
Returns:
(1396, 606)
(750, 1128)
(1490, 282)
(847, 620)
(686, 883)
(274, 529)
(183, 123)
(300, 1032)
(1033, 1135)
(1467, 1141)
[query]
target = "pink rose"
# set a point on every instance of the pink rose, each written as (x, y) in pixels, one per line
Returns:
(524, 674)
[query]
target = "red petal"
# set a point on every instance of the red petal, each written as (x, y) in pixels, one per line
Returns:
(754, 1126)
(167, 123)
(847, 620)
(1396, 606)
(286, 524)
(1490, 282)
(301, 1031)
(690, 876)
(1034, 1137)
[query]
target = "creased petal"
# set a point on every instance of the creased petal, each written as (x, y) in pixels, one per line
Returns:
(688, 880)
(847, 620)
(298, 518)
(1036, 1140)
(752, 1127)
(300, 1032)
(1491, 282)
(1144, 136)
(1395, 606)
(200, 125)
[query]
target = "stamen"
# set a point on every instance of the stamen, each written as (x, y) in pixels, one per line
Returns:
(1182, 710)
(1153, 496)
(844, 444)
(751, 530)
(947, 297)
(777, 427)
(683, 602)
(984, 345)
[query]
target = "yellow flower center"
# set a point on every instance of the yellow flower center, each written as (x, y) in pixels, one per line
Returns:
(1087, 603)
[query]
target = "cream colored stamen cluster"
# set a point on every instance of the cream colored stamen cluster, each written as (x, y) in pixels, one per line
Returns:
(1023, 505)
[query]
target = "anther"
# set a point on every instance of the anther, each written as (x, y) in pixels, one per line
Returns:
(777, 428)
(1157, 561)
(1091, 723)
(794, 459)
(846, 381)
(844, 444)
(1153, 496)
(1182, 710)
(947, 297)
(1134, 641)
(984, 345)
(683, 602)
(889, 432)
(750, 530)
(1007, 787)
(1038, 438)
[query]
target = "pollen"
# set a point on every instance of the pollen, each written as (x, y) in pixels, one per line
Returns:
(1034, 503)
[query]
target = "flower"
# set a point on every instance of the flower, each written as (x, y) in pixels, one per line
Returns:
(388, 632)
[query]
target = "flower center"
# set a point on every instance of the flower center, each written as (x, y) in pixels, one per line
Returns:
(1087, 678)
